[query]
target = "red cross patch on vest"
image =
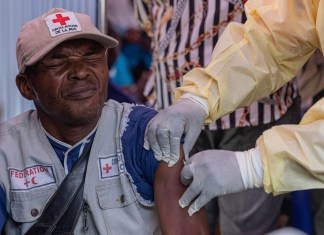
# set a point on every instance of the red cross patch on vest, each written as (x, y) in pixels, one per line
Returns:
(31, 177)
(110, 167)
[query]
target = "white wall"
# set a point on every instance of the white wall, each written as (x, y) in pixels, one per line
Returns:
(13, 14)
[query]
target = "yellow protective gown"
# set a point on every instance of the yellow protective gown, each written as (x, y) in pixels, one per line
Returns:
(253, 60)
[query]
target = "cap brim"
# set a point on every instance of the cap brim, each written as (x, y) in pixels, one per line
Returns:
(105, 40)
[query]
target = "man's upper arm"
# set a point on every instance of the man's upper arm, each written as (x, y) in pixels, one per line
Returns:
(155, 181)
(167, 192)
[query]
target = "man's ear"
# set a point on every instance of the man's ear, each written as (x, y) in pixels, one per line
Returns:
(24, 86)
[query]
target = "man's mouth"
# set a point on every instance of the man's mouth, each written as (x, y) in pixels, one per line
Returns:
(80, 93)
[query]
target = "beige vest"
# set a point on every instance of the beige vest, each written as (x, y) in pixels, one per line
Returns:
(27, 156)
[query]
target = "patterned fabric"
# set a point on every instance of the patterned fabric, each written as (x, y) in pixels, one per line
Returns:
(196, 34)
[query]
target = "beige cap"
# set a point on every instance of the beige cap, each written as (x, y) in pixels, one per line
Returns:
(39, 36)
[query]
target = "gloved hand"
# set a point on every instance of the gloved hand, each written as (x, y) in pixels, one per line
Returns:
(163, 133)
(213, 173)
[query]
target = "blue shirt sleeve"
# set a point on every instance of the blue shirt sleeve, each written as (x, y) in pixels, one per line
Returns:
(139, 162)
(3, 211)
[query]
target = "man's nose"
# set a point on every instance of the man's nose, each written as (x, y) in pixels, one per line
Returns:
(78, 69)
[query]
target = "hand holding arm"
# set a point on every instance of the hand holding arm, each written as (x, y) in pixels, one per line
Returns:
(164, 132)
(214, 173)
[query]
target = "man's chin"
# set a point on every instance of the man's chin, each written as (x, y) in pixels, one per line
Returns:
(84, 117)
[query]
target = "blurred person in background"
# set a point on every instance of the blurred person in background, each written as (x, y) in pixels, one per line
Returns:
(131, 68)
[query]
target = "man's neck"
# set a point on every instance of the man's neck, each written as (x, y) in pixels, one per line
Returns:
(67, 133)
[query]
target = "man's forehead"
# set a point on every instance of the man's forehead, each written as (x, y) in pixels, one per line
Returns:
(75, 45)
(78, 44)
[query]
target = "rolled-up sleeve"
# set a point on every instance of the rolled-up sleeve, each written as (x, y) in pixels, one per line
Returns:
(252, 60)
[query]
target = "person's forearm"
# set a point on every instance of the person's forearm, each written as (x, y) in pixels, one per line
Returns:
(292, 155)
(253, 60)
(173, 219)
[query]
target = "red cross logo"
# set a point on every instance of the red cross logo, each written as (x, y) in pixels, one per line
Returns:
(107, 168)
(60, 19)
(26, 183)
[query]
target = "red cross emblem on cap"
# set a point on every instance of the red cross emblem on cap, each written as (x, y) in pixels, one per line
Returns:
(62, 23)
(60, 19)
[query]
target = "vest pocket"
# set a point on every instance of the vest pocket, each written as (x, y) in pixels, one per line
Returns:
(115, 193)
(27, 206)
